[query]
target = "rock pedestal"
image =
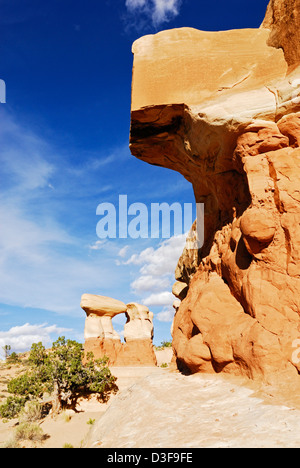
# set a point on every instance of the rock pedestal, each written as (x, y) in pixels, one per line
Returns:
(102, 340)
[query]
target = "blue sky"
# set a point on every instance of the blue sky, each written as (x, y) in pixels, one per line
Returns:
(64, 150)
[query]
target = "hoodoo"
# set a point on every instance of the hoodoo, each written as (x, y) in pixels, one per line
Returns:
(102, 340)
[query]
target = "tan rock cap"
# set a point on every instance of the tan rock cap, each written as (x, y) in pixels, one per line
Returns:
(189, 66)
(102, 305)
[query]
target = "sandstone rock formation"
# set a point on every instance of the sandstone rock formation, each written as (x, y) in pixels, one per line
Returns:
(100, 310)
(283, 19)
(139, 325)
(101, 338)
(169, 410)
(223, 109)
(180, 289)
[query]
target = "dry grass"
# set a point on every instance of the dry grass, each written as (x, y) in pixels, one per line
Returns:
(31, 412)
(29, 431)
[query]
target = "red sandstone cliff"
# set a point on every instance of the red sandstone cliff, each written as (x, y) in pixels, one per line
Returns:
(222, 108)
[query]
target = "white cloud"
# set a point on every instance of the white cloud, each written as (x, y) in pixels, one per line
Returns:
(98, 245)
(162, 260)
(157, 273)
(47, 257)
(150, 283)
(166, 315)
(132, 4)
(165, 10)
(159, 11)
(21, 338)
(122, 252)
(159, 299)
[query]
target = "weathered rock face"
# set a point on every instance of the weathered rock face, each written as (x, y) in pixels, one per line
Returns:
(283, 18)
(102, 340)
(139, 325)
(223, 110)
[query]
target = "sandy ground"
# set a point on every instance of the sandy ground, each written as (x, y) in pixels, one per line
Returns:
(72, 428)
(159, 408)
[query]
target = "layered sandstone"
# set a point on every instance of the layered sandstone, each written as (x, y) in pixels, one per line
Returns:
(223, 109)
(102, 340)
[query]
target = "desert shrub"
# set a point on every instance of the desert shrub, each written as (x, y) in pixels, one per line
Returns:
(164, 364)
(12, 407)
(61, 371)
(25, 432)
(38, 354)
(29, 431)
(27, 384)
(71, 378)
(166, 344)
(32, 411)
(13, 358)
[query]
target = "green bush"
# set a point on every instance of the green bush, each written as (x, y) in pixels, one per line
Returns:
(38, 354)
(166, 344)
(59, 371)
(13, 358)
(28, 384)
(12, 407)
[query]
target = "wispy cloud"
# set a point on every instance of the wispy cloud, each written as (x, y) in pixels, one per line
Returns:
(98, 245)
(24, 166)
(45, 262)
(157, 11)
(122, 252)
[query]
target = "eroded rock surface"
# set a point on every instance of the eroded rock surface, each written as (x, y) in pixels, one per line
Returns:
(169, 410)
(283, 19)
(139, 325)
(223, 109)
